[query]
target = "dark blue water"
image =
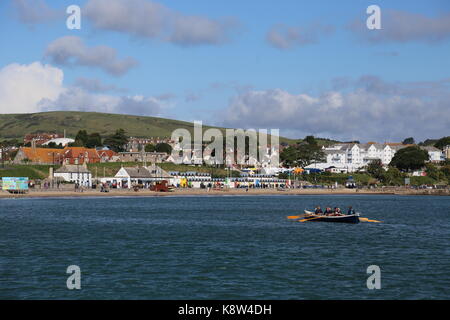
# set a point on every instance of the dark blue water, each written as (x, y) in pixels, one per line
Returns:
(223, 248)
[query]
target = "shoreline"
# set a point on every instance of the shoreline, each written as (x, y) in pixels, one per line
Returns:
(204, 192)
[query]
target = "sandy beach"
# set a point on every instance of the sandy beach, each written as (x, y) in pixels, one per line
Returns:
(228, 192)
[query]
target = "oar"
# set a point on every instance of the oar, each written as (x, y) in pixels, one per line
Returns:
(296, 217)
(368, 220)
(304, 220)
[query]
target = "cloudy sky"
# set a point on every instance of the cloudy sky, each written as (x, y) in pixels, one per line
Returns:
(305, 67)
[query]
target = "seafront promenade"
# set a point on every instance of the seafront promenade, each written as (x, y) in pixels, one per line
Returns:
(224, 192)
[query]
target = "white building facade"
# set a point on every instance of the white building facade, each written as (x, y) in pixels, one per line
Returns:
(75, 174)
(351, 157)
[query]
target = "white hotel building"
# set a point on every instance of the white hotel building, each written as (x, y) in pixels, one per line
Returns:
(350, 157)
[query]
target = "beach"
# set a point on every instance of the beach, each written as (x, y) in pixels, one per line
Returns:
(52, 193)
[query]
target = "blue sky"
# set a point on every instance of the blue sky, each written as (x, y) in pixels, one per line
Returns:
(336, 83)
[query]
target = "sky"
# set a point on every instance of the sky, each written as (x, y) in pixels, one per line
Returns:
(304, 67)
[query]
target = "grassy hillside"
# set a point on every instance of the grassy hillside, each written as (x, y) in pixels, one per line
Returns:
(18, 125)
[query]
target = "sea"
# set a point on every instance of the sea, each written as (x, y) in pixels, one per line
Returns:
(223, 247)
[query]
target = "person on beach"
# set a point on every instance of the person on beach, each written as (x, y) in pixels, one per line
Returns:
(318, 210)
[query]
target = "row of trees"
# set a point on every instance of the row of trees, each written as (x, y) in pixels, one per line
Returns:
(439, 143)
(116, 141)
(160, 147)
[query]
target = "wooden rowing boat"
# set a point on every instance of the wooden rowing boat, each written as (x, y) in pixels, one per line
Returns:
(339, 219)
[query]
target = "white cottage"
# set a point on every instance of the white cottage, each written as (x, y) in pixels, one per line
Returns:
(75, 173)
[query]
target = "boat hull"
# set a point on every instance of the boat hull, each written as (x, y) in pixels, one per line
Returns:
(337, 219)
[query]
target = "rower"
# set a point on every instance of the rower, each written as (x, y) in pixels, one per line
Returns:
(328, 211)
(337, 211)
(351, 211)
(318, 210)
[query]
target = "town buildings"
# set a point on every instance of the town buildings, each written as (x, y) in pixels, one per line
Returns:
(40, 138)
(142, 156)
(68, 155)
(350, 157)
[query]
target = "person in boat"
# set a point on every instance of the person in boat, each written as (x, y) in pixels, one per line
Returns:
(351, 211)
(318, 210)
(337, 211)
(328, 211)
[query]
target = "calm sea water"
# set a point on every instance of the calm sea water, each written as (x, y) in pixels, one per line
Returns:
(225, 247)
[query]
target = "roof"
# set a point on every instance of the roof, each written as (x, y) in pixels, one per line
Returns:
(106, 153)
(81, 152)
(44, 155)
(146, 172)
(138, 172)
(50, 155)
(334, 151)
(72, 168)
(58, 141)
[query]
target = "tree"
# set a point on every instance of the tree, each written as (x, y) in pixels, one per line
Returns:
(375, 169)
(310, 140)
(82, 137)
(150, 147)
(442, 143)
(117, 141)
(445, 169)
(163, 147)
(433, 172)
(94, 140)
(303, 154)
(410, 158)
(409, 140)
(393, 177)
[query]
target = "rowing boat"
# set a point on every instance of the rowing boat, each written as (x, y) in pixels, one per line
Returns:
(354, 218)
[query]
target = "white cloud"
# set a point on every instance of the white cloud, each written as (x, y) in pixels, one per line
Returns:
(366, 112)
(70, 50)
(36, 11)
(149, 19)
(23, 86)
(36, 88)
(403, 26)
(286, 37)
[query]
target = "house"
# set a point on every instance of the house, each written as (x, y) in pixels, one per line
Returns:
(39, 155)
(108, 156)
(447, 152)
(436, 155)
(127, 177)
(75, 173)
(80, 155)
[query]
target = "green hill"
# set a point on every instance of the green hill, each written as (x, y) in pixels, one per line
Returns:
(16, 126)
